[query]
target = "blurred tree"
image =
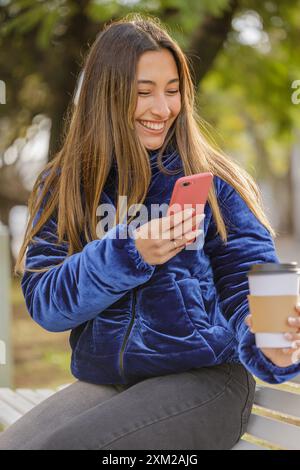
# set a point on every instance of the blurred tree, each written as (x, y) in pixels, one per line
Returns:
(243, 55)
(47, 41)
(248, 94)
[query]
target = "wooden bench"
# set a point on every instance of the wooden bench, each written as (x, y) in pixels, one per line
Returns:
(274, 422)
(15, 403)
(275, 419)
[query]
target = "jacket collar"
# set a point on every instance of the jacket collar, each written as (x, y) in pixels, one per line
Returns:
(171, 160)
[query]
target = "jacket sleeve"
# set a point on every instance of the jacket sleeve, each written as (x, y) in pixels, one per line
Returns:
(86, 283)
(249, 242)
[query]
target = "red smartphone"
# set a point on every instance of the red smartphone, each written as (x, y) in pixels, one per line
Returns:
(190, 192)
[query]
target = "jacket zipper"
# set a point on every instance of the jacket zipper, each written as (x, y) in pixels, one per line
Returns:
(125, 341)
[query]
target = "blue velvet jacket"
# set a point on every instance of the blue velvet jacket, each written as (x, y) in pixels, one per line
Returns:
(130, 320)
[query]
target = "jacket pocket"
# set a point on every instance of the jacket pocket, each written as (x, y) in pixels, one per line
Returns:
(193, 302)
(103, 335)
(110, 325)
(219, 338)
(163, 322)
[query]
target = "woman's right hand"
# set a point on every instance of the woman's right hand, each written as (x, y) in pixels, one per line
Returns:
(154, 239)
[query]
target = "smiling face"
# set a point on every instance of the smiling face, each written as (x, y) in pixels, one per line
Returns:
(159, 99)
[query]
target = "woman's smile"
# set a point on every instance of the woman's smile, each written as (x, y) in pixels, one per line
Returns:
(153, 128)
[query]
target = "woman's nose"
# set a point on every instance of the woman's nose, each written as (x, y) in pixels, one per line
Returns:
(161, 108)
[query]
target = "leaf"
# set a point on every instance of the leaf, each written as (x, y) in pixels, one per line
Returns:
(46, 29)
(24, 22)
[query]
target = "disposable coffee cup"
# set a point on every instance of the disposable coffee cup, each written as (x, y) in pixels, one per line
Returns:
(274, 293)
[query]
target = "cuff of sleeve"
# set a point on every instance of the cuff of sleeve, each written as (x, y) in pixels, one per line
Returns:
(259, 365)
(126, 242)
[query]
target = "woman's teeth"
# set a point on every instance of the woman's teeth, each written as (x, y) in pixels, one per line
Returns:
(148, 125)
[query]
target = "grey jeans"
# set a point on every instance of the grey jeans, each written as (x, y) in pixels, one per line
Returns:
(203, 408)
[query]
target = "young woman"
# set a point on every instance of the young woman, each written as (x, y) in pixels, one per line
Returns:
(160, 347)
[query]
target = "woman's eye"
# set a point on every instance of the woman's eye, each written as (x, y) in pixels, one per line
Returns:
(144, 93)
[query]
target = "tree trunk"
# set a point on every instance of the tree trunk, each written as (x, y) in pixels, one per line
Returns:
(63, 82)
(207, 41)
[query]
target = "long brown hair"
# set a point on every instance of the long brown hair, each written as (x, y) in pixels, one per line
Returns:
(101, 125)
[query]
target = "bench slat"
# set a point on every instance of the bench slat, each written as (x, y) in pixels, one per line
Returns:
(7, 414)
(15, 401)
(285, 435)
(45, 392)
(278, 400)
(244, 445)
(30, 395)
(14, 404)
(61, 387)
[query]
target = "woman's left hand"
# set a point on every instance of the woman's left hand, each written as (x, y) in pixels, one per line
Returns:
(284, 357)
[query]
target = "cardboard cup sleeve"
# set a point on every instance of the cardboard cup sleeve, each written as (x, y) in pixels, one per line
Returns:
(270, 313)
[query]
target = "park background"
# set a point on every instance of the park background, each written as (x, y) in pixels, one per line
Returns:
(245, 60)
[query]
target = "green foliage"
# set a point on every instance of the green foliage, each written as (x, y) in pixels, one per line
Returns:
(48, 24)
(246, 95)
(102, 11)
(25, 21)
(47, 18)
(25, 15)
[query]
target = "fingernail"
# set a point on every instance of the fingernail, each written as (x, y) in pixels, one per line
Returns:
(294, 344)
(288, 336)
(292, 320)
